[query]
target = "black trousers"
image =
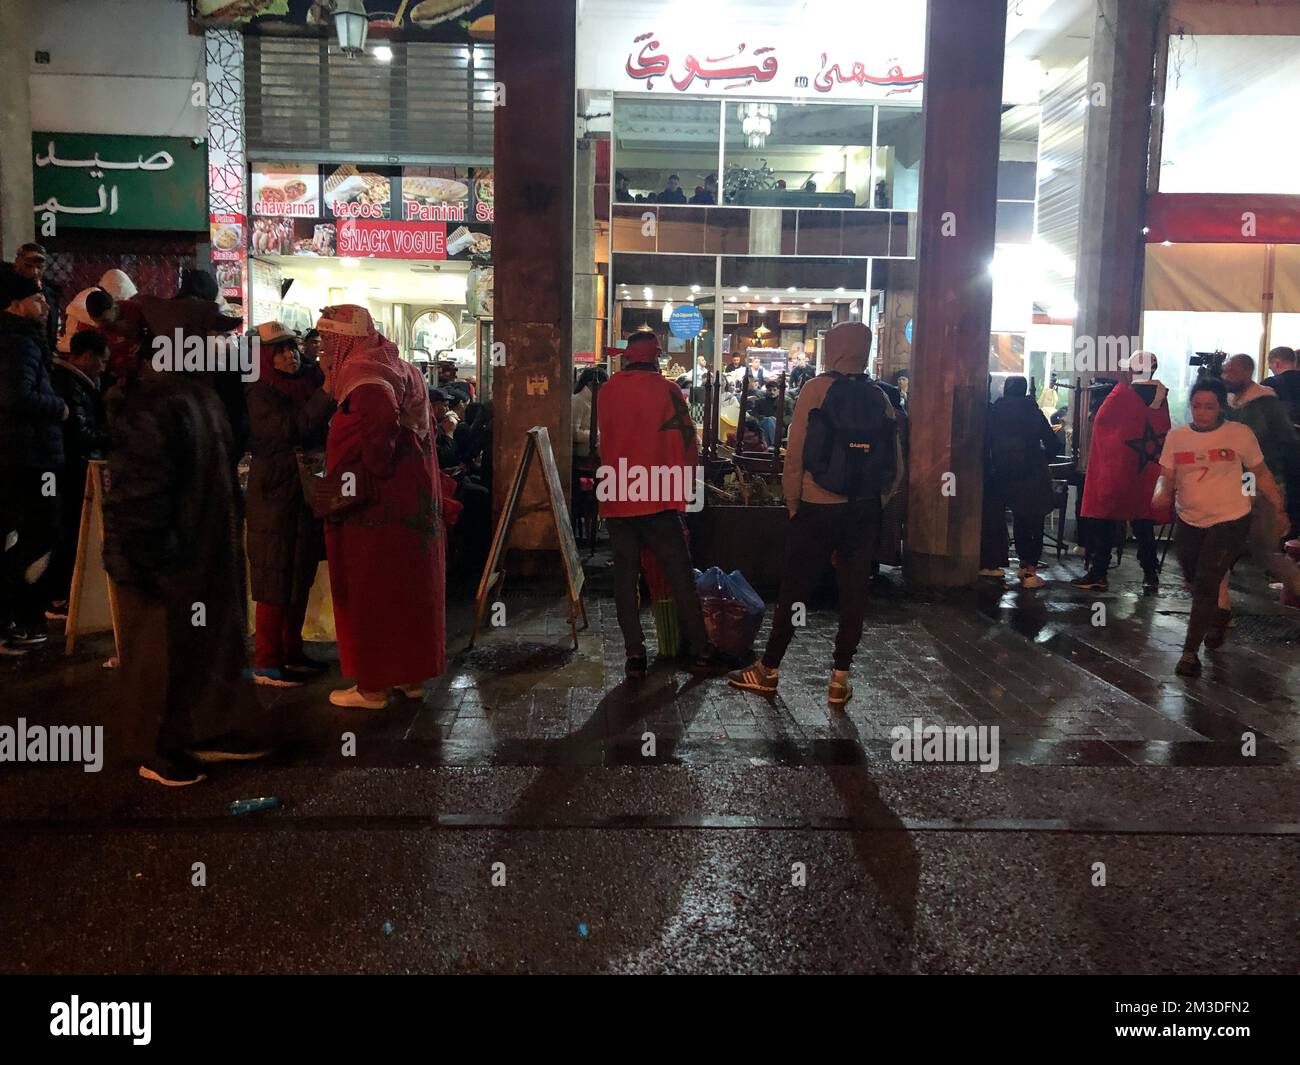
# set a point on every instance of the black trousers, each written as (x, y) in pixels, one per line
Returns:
(28, 513)
(662, 533)
(1105, 536)
(852, 531)
(1029, 531)
(1205, 555)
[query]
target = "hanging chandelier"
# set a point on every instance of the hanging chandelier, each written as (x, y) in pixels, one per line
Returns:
(756, 122)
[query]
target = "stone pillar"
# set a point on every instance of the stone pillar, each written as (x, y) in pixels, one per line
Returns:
(586, 283)
(533, 250)
(1117, 134)
(965, 46)
(17, 220)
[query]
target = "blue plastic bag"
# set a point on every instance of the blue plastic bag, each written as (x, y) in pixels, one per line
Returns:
(733, 611)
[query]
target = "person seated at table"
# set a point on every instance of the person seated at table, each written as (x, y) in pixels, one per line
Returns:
(622, 192)
(673, 192)
(756, 372)
(765, 408)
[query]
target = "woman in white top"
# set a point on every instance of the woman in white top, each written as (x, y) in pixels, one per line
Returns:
(1201, 472)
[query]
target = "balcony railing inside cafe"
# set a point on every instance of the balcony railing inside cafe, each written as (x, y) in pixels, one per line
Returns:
(763, 230)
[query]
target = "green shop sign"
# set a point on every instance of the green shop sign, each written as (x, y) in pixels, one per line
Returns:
(102, 181)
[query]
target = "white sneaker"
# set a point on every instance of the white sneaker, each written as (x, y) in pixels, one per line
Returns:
(1033, 580)
(1079, 551)
(352, 697)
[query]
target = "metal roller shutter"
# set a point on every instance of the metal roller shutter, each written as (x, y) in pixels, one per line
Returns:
(305, 99)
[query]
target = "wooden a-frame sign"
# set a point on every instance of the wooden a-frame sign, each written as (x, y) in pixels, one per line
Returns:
(538, 446)
(92, 600)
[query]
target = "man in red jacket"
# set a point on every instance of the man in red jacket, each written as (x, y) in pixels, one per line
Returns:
(649, 474)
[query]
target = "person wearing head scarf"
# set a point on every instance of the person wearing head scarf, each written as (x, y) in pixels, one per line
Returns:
(386, 542)
(287, 410)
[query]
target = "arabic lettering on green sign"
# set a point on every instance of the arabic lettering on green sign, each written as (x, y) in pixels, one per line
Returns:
(115, 182)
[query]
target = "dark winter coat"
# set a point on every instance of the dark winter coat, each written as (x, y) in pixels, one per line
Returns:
(31, 412)
(85, 433)
(285, 542)
(172, 545)
(1020, 444)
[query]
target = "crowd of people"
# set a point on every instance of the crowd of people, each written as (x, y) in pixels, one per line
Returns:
(343, 439)
(705, 194)
(1225, 484)
(355, 458)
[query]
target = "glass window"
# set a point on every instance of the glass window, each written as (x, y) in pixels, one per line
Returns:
(797, 155)
(1177, 336)
(1223, 100)
(896, 173)
(666, 151)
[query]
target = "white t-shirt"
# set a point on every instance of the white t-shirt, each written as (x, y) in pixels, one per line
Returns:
(1207, 472)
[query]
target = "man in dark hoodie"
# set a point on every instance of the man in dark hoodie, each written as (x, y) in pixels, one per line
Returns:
(823, 521)
(31, 460)
(1020, 443)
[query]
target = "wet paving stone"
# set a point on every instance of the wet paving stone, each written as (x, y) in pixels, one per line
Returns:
(665, 817)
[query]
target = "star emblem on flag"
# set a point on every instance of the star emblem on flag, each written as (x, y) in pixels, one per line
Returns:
(681, 420)
(1147, 446)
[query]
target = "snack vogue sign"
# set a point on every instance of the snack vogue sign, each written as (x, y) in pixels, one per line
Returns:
(101, 181)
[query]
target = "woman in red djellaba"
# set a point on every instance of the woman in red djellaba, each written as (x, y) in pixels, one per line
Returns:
(385, 542)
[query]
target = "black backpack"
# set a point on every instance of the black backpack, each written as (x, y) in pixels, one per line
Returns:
(850, 446)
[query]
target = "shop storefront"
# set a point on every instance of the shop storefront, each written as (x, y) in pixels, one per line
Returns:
(359, 170)
(757, 170)
(412, 244)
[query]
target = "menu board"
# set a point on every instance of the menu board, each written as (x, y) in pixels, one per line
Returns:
(226, 232)
(360, 192)
(285, 191)
(363, 210)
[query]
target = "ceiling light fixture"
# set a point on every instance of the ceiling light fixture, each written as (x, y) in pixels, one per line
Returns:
(756, 121)
(351, 24)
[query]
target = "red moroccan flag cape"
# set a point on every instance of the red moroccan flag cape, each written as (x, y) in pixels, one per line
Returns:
(1124, 463)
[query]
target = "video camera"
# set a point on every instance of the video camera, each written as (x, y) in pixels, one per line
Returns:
(1209, 362)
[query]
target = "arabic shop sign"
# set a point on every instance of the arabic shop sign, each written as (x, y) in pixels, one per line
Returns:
(108, 182)
(744, 53)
